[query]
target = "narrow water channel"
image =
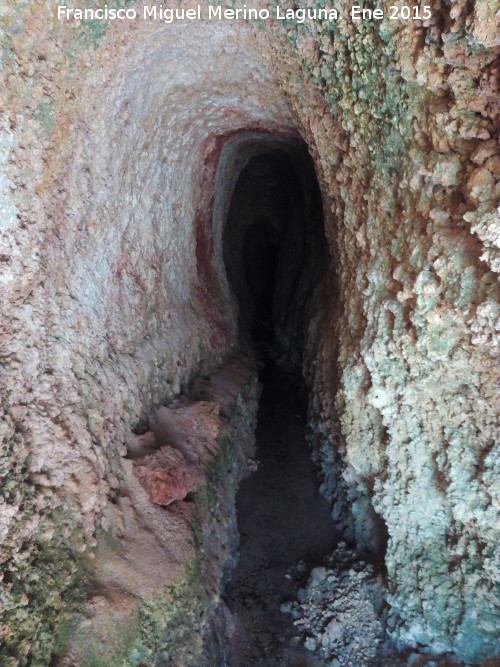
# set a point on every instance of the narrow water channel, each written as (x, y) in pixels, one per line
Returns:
(284, 524)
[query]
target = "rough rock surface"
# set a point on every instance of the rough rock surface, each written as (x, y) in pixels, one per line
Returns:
(404, 375)
(113, 291)
(161, 560)
(167, 476)
(178, 467)
(337, 613)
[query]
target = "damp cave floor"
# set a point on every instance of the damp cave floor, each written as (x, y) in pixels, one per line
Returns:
(283, 521)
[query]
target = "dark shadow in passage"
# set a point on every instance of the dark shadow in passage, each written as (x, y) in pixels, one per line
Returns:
(261, 256)
(275, 250)
(275, 253)
(284, 523)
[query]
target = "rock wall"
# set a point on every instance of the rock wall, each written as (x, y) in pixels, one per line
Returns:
(110, 301)
(403, 376)
(169, 539)
(114, 294)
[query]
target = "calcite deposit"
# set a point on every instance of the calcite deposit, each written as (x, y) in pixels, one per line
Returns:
(121, 146)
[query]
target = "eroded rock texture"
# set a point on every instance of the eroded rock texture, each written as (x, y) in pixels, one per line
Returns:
(337, 612)
(417, 323)
(121, 146)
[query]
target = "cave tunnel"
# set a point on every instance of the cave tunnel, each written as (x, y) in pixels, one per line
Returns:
(274, 246)
(260, 261)
(223, 234)
(275, 255)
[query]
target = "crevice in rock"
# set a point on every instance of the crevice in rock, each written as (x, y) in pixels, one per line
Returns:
(275, 257)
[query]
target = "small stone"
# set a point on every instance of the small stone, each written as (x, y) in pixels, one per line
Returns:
(493, 165)
(480, 184)
(446, 170)
(334, 630)
(318, 574)
(484, 151)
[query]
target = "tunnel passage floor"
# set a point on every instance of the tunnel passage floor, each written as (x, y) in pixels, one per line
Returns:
(283, 520)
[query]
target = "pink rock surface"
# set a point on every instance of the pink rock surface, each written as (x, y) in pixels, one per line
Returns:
(187, 434)
(167, 476)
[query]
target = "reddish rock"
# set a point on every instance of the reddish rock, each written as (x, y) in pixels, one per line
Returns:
(190, 427)
(167, 476)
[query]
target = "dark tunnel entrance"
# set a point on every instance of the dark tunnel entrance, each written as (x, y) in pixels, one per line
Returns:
(274, 246)
(261, 257)
(275, 254)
